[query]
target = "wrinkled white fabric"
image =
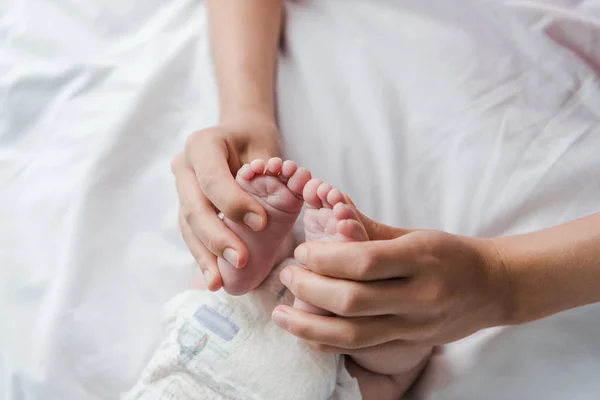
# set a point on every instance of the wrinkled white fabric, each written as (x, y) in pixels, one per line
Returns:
(475, 117)
(478, 117)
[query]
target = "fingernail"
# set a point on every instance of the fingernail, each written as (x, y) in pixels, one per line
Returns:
(285, 276)
(280, 318)
(207, 276)
(253, 221)
(300, 254)
(231, 256)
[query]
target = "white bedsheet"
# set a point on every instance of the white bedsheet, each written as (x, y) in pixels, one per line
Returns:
(476, 117)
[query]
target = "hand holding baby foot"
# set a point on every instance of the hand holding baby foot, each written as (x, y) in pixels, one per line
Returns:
(204, 179)
(420, 289)
(381, 375)
(277, 186)
(328, 219)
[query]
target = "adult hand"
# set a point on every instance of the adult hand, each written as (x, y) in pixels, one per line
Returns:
(411, 289)
(204, 174)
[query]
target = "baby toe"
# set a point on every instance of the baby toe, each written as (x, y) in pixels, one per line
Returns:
(288, 169)
(310, 193)
(298, 181)
(258, 166)
(352, 230)
(335, 196)
(343, 211)
(322, 192)
(274, 166)
(245, 172)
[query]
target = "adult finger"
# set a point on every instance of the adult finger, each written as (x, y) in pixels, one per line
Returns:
(345, 333)
(344, 297)
(376, 230)
(202, 219)
(360, 261)
(208, 157)
(395, 346)
(205, 259)
(416, 299)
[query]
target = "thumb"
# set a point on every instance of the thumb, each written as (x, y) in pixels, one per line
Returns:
(376, 230)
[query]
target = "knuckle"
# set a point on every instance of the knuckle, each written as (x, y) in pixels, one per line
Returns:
(436, 298)
(190, 212)
(196, 138)
(320, 347)
(366, 263)
(176, 162)
(182, 222)
(431, 302)
(349, 301)
(208, 137)
(433, 294)
(215, 244)
(234, 208)
(296, 287)
(353, 338)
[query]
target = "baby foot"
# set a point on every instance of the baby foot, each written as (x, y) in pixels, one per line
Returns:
(328, 219)
(277, 186)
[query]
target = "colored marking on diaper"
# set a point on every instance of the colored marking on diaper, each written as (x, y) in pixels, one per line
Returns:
(191, 342)
(216, 322)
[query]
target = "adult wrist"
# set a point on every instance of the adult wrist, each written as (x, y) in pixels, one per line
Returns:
(502, 284)
(534, 289)
(255, 112)
(250, 119)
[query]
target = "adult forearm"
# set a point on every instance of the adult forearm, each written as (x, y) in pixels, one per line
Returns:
(552, 270)
(244, 40)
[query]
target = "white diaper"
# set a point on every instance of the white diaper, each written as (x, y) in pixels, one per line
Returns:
(218, 346)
